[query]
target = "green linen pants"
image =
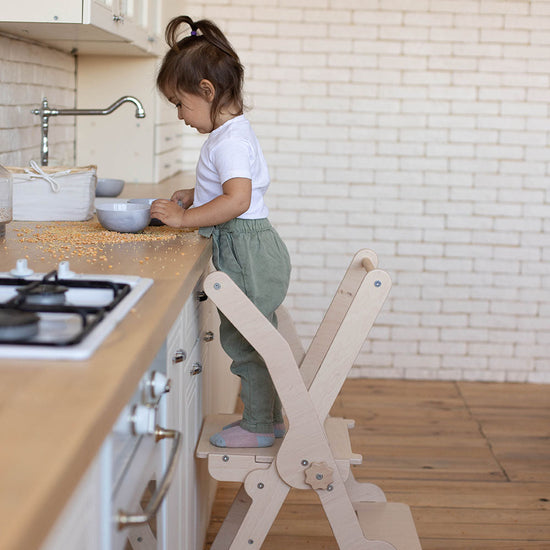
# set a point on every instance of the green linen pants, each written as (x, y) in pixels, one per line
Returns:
(252, 253)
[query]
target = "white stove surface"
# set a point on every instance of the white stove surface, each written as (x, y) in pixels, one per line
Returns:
(65, 325)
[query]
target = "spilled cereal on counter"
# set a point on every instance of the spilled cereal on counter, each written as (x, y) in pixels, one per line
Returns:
(89, 239)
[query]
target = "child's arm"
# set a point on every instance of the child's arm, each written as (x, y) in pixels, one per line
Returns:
(234, 201)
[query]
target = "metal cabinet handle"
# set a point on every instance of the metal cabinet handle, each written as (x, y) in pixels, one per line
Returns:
(208, 336)
(179, 356)
(196, 369)
(124, 519)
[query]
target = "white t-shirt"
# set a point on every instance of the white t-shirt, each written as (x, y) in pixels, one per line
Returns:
(232, 151)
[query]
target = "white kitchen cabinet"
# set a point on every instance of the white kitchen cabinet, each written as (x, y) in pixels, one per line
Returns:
(120, 145)
(82, 523)
(192, 417)
(201, 384)
(116, 27)
(168, 148)
(171, 526)
(146, 150)
(183, 503)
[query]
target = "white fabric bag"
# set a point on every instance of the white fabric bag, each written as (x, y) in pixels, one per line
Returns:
(44, 193)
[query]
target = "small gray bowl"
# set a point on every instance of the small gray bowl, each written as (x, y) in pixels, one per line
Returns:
(108, 187)
(123, 217)
(154, 221)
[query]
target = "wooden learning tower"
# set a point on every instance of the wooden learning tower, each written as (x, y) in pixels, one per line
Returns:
(315, 453)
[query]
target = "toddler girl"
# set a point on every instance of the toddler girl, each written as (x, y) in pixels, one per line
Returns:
(202, 76)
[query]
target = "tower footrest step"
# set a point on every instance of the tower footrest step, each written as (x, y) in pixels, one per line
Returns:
(337, 430)
(388, 521)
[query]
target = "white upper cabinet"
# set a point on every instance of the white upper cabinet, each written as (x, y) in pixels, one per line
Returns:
(113, 27)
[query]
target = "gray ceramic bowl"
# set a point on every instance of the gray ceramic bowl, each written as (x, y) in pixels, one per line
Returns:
(123, 217)
(108, 187)
(154, 221)
(142, 201)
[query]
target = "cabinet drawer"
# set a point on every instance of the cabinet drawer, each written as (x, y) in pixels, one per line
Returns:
(168, 137)
(173, 339)
(184, 344)
(168, 163)
(192, 412)
(186, 378)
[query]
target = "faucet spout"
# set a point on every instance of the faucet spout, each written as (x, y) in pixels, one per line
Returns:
(140, 111)
(45, 113)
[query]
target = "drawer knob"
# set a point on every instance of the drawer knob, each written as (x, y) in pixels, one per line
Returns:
(179, 356)
(142, 420)
(208, 336)
(157, 384)
(196, 369)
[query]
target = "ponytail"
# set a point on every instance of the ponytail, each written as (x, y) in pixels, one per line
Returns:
(172, 30)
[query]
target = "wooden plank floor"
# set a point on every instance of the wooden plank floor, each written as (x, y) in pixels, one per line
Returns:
(472, 460)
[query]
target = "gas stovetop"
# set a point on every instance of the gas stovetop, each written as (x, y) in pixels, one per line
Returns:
(62, 314)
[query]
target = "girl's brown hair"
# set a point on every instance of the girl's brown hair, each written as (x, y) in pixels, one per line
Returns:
(204, 54)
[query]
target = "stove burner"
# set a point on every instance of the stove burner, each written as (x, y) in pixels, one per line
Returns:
(17, 325)
(43, 294)
(57, 313)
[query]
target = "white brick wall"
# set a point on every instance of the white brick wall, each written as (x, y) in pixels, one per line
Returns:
(419, 129)
(29, 73)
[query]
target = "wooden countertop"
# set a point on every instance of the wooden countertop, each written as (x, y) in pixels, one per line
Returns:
(55, 415)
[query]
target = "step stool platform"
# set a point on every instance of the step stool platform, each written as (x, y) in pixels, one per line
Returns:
(248, 458)
(388, 521)
(214, 423)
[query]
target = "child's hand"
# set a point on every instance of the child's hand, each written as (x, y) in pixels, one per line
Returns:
(185, 196)
(168, 212)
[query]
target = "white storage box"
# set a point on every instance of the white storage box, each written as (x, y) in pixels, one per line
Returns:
(53, 193)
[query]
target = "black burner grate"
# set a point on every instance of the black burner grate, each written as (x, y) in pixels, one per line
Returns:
(90, 315)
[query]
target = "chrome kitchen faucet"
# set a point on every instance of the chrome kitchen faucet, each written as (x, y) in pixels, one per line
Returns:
(45, 113)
